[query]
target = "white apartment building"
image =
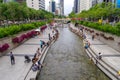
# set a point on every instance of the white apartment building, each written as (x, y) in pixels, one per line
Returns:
(36, 4)
(85, 5)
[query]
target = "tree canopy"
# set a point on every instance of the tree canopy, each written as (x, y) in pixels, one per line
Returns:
(17, 11)
(1, 1)
(103, 10)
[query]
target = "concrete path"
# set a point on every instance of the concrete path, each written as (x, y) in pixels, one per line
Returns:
(20, 69)
(110, 57)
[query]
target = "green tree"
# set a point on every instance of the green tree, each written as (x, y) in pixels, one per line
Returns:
(1, 1)
(15, 11)
(72, 14)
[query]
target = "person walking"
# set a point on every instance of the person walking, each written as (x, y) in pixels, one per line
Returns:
(12, 58)
(49, 36)
(99, 56)
(93, 36)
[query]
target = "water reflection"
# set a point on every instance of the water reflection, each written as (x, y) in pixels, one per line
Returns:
(67, 60)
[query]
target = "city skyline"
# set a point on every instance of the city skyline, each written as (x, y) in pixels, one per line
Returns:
(67, 6)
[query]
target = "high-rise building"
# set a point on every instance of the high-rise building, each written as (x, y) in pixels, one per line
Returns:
(61, 5)
(52, 6)
(36, 4)
(76, 7)
(118, 3)
(85, 5)
(80, 5)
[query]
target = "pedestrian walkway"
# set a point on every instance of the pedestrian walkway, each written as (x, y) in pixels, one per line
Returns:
(20, 70)
(110, 62)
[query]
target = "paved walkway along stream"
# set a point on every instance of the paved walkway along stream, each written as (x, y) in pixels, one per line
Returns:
(20, 70)
(67, 60)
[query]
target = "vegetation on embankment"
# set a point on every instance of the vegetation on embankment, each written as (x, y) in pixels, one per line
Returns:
(104, 13)
(102, 27)
(14, 29)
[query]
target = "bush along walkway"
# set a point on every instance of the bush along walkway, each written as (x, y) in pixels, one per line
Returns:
(23, 68)
(12, 42)
(105, 57)
(102, 27)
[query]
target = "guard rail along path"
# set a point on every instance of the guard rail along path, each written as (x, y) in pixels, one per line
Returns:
(103, 56)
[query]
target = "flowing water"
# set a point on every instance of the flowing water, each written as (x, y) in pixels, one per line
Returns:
(67, 60)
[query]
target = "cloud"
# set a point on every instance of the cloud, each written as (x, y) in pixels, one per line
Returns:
(68, 6)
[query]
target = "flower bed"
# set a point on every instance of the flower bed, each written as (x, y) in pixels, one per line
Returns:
(43, 28)
(4, 47)
(24, 36)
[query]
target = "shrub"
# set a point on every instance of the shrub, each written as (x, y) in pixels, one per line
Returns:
(1, 48)
(33, 33)
(3, 32)
(15, 40)
(43, 28)
(118, 25)
(4, 47)
(21, 39)
(14, 29)
(105, 28)
(29, 34)
(24, 36)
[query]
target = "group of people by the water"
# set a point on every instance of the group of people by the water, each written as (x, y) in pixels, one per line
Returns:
(53, 35)
(86, 42)
(36, 61)
(36, 58)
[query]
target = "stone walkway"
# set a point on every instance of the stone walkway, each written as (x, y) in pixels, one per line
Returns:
(110, 63)
(20, 70)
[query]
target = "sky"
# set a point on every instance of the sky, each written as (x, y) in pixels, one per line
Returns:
(68, 4)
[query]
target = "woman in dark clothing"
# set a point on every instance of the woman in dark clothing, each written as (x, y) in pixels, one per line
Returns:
(12, 58)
